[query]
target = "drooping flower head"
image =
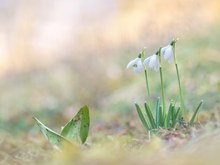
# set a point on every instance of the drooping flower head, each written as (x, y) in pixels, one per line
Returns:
(152, 62)
(167, 53)
(136, 64)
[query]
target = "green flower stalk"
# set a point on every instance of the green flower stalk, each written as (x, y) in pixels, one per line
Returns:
(137, 66)
(162, 84)
(142, 54)
(147, 84)
(169, 54)
(154, 62)
(173, 43)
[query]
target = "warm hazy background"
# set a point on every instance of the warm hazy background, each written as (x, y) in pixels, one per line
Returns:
(56, 56)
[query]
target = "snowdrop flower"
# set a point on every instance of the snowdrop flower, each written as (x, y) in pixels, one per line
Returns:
(152, 62)
(136, 64)
(167, 53)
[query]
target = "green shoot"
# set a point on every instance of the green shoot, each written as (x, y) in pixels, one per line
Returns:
(141, 116)
(195, 113)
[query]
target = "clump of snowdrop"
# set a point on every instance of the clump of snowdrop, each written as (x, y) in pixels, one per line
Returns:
(162, 118)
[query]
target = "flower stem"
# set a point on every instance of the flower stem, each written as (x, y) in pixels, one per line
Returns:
(179, 84)
(162, 87)
(147, 85)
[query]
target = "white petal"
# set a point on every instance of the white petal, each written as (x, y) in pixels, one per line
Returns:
(136, 64)
(153, 61)
(147, 61)
(139, 66)
(162, 51)
(137, 69)
(167, 53)
(169, 58)
(156, 66)
(131, 63)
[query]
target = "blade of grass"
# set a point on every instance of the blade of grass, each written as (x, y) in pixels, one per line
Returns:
(141, 116)
(150, 115)
(195, 113)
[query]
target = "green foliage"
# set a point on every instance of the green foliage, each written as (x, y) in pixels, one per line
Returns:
(150, 116)
(53, 137)
(141, 116)
(74, 131)
(195, 113)
(78, 127)
(161, 120)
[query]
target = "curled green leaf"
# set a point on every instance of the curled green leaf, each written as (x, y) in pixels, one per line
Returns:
(54, 138)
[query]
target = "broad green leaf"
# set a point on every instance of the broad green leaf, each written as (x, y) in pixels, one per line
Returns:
(78, 127)
(150, 116)
(158, 113)
(141, 116)
(54, 138)
(195, 113)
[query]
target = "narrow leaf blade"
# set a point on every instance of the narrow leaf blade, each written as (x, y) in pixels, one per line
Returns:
(150, 116)
(176, 117)
(161, 117)
(141, 116)
(195, 113)
(169, 115)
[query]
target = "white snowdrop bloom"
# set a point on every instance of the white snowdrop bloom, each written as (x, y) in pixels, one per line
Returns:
(136, 64)
(152, 62)
(167, 53)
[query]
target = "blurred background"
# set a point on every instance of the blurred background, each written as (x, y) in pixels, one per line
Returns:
(56, 56)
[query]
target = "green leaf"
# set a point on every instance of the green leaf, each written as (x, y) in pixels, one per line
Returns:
(161, 117)
(176, 115)
(78, 127)
(169, 115)
(54, 138)
(173, 115)
(141, 116)
(158, 113)
(195, 113)
(150, 116)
